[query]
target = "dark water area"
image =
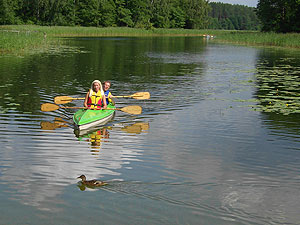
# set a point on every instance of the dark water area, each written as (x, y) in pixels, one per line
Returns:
(217, 142)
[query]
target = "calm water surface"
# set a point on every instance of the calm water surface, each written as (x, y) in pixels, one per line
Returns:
(217, 143)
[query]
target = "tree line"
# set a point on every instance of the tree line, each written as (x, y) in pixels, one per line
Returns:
(270, 15)
(189, 14)
(279, 15)
(233, 17)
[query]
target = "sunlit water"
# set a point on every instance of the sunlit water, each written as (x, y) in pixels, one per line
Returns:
(217, 143)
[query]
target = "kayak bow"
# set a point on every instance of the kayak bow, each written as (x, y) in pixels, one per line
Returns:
(87, 118)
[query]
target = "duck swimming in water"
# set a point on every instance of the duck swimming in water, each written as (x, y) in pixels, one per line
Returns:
(91, 183)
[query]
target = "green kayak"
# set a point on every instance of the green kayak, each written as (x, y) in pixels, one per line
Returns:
(87, 118)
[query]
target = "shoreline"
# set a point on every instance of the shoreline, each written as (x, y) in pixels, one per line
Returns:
(30, 39)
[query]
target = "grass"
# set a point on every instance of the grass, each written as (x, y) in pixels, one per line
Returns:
(290, 40)
(58, 31)
(23, 42)
(24, 39)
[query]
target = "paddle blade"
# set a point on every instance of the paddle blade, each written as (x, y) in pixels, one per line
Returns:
(45, 125)
(62, 99)
(132, 109)
(48, 107)
(141, 95)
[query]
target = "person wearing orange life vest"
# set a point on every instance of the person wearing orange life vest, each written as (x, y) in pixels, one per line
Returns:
(95, 98)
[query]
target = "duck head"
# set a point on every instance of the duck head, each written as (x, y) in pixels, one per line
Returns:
(82, 177)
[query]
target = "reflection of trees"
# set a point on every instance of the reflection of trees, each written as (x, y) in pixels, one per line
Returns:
(278, 82)
(38, 78)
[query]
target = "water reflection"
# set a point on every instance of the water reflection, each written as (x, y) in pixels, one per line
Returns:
(94, 136)
(39, 159)
(97, 135)
(207, 157)
(57, 123)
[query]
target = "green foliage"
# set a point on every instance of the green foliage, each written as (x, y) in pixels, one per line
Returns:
(108, 13)
(177, 18)
(124, 15)
(88, 13)
(8, 13)
(141, 13)
(130, 13)
(161, 13)
(196, 13)
(279, 15)
(232, 17)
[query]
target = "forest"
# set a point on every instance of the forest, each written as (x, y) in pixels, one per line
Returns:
(188, 14)
(232, 17)
(279, 15)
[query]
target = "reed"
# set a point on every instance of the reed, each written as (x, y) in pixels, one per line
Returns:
(58, 31)
(20, 42)
(289, 40)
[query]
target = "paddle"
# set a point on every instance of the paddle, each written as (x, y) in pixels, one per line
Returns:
(136, 128)
(138, 95)
(67, 99)
(132, 109)
(57, 123)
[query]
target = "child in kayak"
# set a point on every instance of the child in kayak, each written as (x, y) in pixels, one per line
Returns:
(108, 95)
(95, 98)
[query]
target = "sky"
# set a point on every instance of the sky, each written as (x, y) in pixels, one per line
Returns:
(251, 3)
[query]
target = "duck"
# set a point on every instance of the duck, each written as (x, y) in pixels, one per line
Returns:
(91, 183)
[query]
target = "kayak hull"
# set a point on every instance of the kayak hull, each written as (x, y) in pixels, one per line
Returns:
(88, 118)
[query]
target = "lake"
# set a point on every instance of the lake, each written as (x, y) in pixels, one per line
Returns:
(217, 142)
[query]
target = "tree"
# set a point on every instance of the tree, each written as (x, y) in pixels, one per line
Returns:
(88, 13)
(161, 13)
(177, 19)
(196, 13)
(8, 10)
(235, 17)
(123, 14)
(141, 12)
(279, 15)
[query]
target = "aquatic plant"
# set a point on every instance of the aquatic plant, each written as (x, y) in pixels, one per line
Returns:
(278, 89)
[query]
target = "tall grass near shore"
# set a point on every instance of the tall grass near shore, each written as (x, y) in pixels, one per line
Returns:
(289, 40)
(22, 39)
(23, 42)
(58, 31)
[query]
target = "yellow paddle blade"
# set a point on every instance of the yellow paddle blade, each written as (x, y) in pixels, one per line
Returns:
(45, 125)
(48, 107)
(136, 128)
(132, 109)
(62, 99)
(132, 129)
(141, 95)
(138, 95)
(144, 126)
(65, 99)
